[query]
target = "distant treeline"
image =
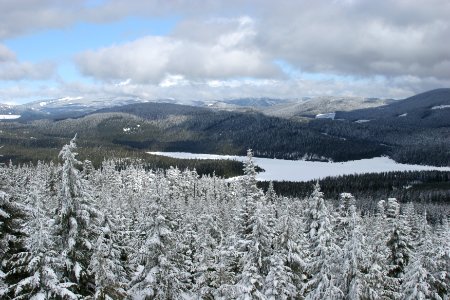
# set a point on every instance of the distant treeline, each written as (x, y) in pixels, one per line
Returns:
(125, 157)
(417, 186)
(421, 187)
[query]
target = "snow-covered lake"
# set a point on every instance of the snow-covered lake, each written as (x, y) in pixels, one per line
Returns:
(9, 117)
(300, 170)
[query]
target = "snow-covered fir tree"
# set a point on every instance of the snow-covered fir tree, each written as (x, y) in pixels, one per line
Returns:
(12, 234)
(159, 276)
(255, 259)
(287, 267)
(39, 260)
(321, 260)
(77, 223)
(107, 265)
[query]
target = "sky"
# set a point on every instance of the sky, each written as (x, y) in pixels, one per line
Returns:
(213, 50)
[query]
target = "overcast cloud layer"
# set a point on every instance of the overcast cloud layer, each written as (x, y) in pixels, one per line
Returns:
(223, 49)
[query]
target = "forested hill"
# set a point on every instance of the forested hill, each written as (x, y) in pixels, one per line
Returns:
(429, 109)
(414, 130)
(226, 132)
(112, 233)
(157, 111)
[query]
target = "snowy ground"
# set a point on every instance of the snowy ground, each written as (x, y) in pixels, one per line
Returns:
(300, 170)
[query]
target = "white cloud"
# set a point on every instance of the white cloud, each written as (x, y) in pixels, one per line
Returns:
(12, 69)
(173, 80)
(227, 52)
(362, 38)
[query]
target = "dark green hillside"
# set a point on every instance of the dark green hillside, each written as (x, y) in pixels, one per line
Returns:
(414, 111)
(136, 128)
(201, 130)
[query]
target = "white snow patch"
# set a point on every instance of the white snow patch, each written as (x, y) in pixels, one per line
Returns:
(43, 103)
(440, 107)
(77, 270)
(39, 296)
(9, 117)
(70, 98)
(126, 129)
(326, 116)
(301, 170)
(403, 115)
(362, 121)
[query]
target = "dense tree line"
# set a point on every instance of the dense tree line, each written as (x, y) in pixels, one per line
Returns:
(429, 190)
(116, 233)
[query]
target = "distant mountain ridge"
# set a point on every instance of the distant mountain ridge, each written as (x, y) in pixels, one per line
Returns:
(67, 107)
(310, 108)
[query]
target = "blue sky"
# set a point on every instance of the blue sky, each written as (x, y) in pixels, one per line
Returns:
(62, 44)
(212, 49)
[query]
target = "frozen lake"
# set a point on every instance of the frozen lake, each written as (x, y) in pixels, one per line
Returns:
(300, 170)
(9, 117)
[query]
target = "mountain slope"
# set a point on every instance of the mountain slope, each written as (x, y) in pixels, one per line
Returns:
(430, 109)
(309, 108)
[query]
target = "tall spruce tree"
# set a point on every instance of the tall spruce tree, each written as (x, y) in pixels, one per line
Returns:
(286, 269)
(106, 265)
(12, 218)
(320, 264)
(255, 260)
(40, 260)
(77, 223)
(159, 276)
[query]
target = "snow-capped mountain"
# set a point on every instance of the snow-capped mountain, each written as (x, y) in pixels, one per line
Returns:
(312, 107)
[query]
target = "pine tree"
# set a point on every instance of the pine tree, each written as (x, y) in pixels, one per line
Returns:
(159, 277)
(415, 282)
(392, 208)
(206, 256)
(249, 178)
(398, 243)
(255, 260)
(77, 223)
(436, 256)
(271, 196)
(354, 284)
(279, 281)
(286, 269)
(12, 219)
(40, 260)
(106, 265)
(343, 218)
(322, 282)
(3, 286)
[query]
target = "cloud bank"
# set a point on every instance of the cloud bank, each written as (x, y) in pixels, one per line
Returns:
(284, 48)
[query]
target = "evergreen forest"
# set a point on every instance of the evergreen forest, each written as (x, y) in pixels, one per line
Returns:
(72, 230)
